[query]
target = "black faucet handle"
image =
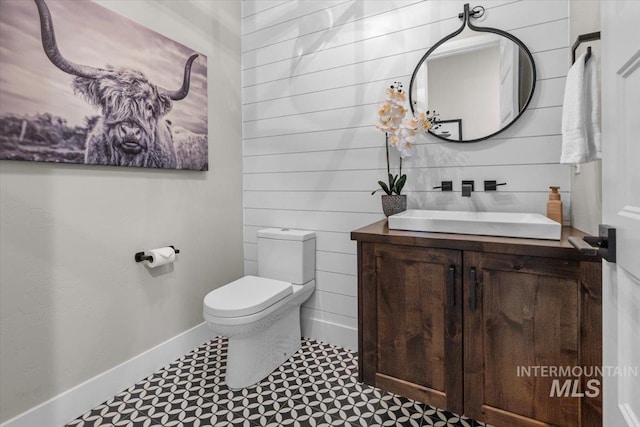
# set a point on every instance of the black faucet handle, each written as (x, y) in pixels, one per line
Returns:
(445, 186)
(492, 185)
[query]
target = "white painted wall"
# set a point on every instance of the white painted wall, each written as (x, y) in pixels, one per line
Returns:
(313, 75)
(586, 181)
(73, 303)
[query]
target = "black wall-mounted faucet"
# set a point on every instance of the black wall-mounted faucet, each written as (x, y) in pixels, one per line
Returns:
(467, 188)
(445, 186)
(492, 185)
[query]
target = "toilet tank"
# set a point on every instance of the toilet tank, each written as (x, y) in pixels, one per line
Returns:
(286, 254)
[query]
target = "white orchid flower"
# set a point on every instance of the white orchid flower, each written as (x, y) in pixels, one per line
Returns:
(390, 115)
(406, 140)
(424, 122)
(408, 152)
(401, 132)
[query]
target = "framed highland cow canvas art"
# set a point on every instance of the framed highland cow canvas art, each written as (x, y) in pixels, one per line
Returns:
(81, 84)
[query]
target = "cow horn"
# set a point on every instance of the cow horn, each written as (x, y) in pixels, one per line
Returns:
(184, 90)
(51, 47)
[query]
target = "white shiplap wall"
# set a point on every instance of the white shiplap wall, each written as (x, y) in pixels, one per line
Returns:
(313, 75)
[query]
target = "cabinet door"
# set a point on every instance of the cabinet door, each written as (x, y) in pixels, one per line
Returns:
(412, 323)
(525, 319)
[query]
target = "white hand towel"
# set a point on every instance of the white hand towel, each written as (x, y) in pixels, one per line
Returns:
(594, 134)
(581, 136)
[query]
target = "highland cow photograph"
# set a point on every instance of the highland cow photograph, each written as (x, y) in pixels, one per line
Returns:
(82, 84)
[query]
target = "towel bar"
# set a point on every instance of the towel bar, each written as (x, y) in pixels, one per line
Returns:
(581, 39)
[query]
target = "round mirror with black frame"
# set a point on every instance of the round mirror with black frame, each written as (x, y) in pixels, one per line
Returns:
(478, 84)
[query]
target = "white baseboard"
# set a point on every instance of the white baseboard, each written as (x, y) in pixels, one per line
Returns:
(74, 402)
(329, 332)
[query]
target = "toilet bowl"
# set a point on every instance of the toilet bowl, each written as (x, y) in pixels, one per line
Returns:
(260, 315)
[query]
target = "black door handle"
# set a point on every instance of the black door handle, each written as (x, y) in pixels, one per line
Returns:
(451, 286)
(473, 277)
(604, 244)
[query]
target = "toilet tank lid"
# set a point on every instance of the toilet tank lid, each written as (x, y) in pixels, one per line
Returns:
(286, 234)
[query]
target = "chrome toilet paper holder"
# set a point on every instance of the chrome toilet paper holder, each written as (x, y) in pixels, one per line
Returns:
(140, 256)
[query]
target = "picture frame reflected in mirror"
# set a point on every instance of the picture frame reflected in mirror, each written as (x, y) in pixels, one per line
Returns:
(449, 129)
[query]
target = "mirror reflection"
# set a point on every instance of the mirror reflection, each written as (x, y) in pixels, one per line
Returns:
(478, 83)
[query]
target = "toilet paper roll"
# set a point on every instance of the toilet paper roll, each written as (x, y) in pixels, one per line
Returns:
(161, 256)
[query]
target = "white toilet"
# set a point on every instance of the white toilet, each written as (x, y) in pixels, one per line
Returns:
(261, 315)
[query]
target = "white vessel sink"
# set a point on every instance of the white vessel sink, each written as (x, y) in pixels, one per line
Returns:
(506, 224)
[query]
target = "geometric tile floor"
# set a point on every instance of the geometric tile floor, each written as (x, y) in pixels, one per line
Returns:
(317, 386)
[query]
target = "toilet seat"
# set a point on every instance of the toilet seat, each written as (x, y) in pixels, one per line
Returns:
(245, 296)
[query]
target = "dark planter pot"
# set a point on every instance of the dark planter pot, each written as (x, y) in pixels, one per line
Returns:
(394, 204)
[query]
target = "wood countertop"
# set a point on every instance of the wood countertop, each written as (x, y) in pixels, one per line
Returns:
(379, 232)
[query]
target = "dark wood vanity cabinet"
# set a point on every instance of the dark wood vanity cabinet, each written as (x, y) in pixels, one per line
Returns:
(529, 311)
(452, 320)
(411, 324)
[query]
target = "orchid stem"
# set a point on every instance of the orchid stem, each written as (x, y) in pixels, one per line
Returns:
(386, 143)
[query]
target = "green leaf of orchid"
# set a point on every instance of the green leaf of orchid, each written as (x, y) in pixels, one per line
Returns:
(400, 184)
(393, 181)
(384, 187)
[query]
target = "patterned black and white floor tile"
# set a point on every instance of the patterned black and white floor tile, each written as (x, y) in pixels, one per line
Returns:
(317, 386)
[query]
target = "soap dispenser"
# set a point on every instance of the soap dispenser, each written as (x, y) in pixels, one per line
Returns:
(554, 205)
